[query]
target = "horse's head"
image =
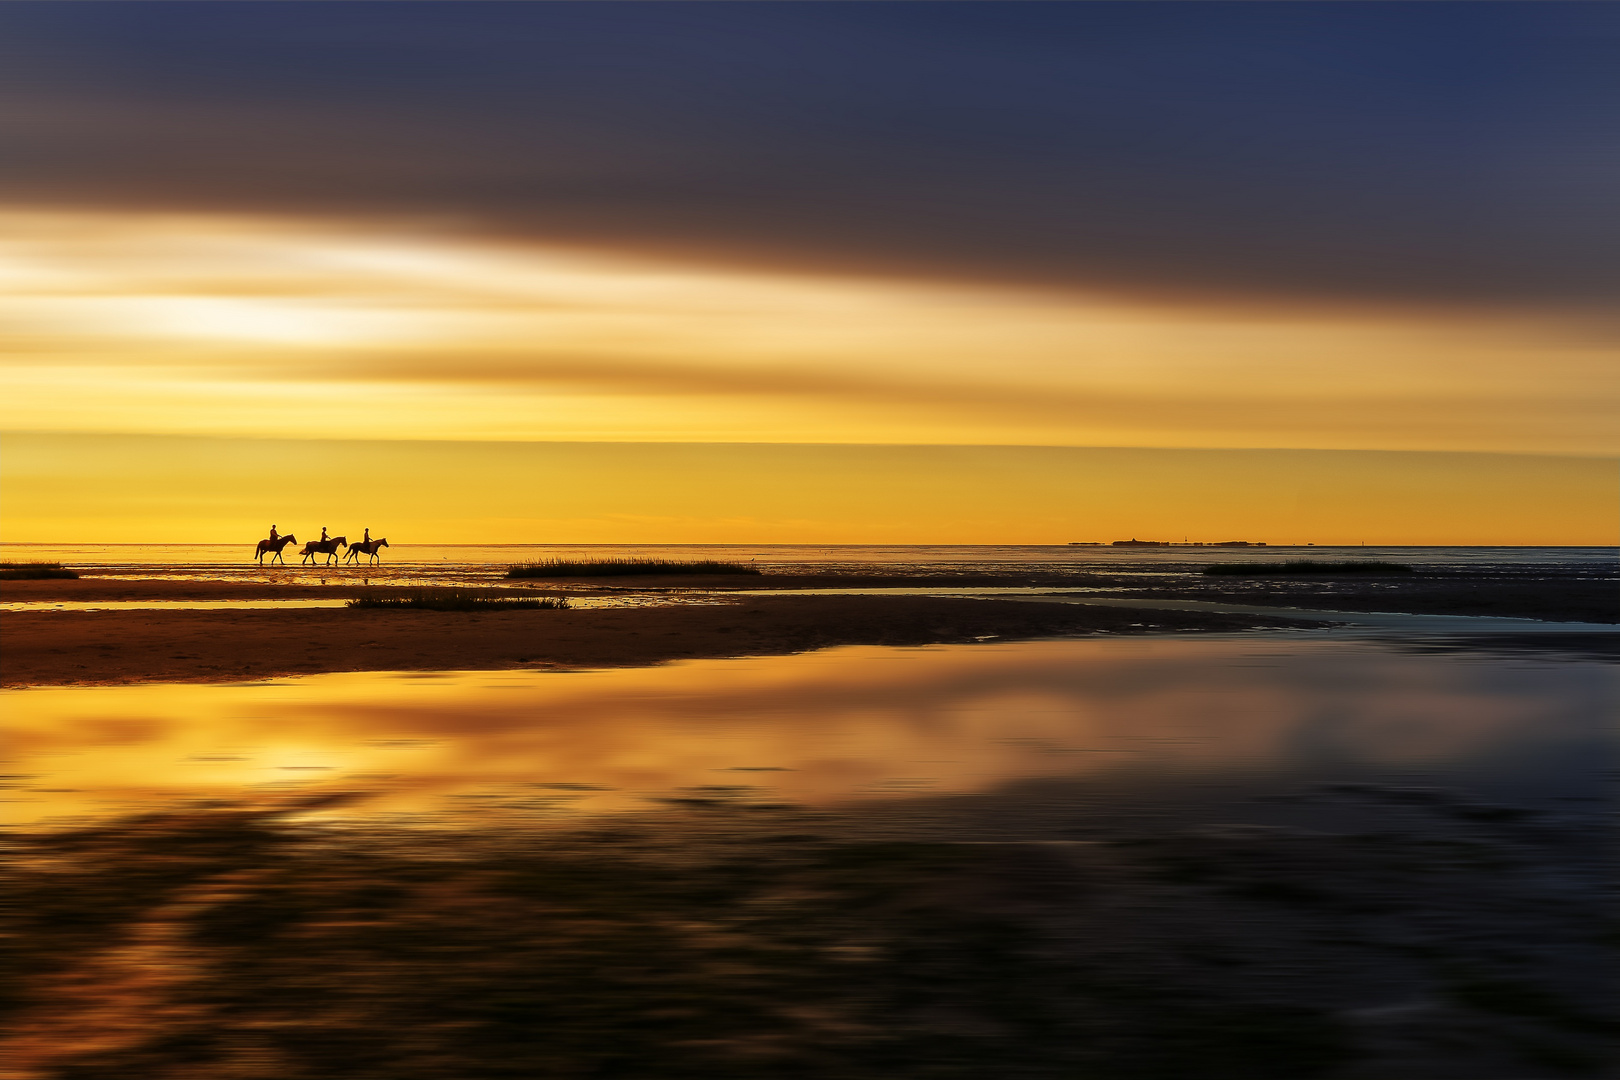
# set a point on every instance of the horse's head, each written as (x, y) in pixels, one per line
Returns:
(380, 543)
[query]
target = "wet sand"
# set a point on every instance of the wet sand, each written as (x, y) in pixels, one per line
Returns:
(1045, 929)
(1444, 940)
(111, 647)
(47, 648)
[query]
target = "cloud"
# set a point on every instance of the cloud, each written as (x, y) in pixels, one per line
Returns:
(1428, 154)
(250, 325)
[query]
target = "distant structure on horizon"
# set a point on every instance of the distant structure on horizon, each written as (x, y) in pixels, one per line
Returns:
(1133, 542)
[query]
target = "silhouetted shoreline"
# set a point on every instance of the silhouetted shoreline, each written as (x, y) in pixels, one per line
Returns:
(112, 647)
(689, 616)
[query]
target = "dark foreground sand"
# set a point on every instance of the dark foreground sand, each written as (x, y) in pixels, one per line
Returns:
(1445, 939)
(56, 648)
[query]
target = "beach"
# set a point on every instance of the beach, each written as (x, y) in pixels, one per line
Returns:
(145, 631)
(967, 818)
(114, 647)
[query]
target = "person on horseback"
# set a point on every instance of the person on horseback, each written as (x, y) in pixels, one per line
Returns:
(323, 534)
(273, 534)
(367, 539)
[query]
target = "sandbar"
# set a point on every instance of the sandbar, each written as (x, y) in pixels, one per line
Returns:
(45, 648)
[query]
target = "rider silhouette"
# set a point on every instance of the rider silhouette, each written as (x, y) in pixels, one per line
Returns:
(323, 534)
(367, 540)
(272, 534)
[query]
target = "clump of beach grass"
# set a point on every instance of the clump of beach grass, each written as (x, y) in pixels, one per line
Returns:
(550, 568)
(33, 571)
(460, 600)
(1306, 567)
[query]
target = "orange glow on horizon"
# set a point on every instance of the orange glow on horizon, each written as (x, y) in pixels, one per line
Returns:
(127, 489)
(791, 408)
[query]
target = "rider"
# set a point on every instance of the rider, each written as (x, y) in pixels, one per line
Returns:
(323, 534)
(272, 534)
(367, 539)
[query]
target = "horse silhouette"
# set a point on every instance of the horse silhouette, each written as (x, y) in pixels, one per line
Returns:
(370, 547)
(327, 547)
(274, 546)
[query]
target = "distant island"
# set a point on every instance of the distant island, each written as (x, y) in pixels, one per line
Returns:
(1133, 542)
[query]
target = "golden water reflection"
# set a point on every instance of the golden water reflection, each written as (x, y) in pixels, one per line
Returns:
(815, 729)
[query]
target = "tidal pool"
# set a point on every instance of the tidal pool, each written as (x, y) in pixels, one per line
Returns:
(837, 727)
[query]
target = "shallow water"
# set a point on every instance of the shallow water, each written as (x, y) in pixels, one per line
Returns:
(825, 729)
(1389, 620)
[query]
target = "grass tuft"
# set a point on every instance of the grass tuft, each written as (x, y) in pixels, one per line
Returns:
(1305, 567)
(550, 568)
(33, 571)
(460, 601)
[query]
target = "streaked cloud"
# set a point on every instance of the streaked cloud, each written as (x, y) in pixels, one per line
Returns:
(255, 326)
(1427, 153)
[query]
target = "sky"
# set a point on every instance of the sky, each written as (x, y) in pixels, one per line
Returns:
(962, 272)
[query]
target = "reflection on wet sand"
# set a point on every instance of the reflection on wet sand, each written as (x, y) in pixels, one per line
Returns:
(819, 729)
(951, 861)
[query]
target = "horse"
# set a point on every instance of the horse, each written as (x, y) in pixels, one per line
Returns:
(275, 546)
(369, 547)
(327, 547)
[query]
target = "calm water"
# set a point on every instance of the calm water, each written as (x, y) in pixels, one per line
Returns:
(834, 728)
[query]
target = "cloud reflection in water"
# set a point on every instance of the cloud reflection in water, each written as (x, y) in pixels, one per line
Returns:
(816, 729)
